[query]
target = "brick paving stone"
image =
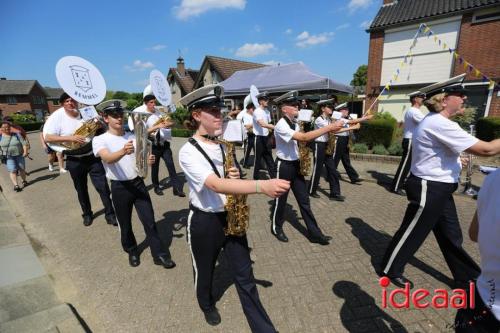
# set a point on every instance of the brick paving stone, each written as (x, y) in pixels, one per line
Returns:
(312, 288)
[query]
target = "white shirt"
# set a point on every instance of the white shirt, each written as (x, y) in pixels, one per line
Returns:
(488, 214)
(260, 114)
(59, 123)
(286, 146)
(321, 122)
(165, 133)
(245, 118)
(411, 119)
(346, 125)
(436, 147)
(124, 169)
(196, 169)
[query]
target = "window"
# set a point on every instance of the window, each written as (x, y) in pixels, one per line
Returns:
(55, 102)
(11, 100)
(486, 15)
(38, 100)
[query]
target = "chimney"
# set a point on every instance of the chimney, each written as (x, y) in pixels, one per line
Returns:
(3, 78)
(387, 2)
(180, 66)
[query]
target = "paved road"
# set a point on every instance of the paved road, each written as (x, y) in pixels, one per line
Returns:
(305, 287)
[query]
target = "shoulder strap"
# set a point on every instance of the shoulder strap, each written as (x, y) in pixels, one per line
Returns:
(197, 146)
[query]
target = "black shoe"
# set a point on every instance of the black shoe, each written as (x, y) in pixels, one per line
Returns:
(179, 193)
(280, 235)
(314, 195)
(400, 281)
(356, 181)
(158, 191)
(25, 183)
(87, 220)
(212, 317)
(165, 261)
(328, 238)
(399, 192)
(337, 197)
(133, 259)
(322, 240)
(17, 188)
(111, 220)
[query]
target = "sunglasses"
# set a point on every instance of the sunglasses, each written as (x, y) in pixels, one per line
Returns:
(115, 115)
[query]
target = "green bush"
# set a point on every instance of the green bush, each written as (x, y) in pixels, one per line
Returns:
(465, 119)
(181, 132)
(360, 148)
(395, 149)
(23, 118)
(380, 150)
(377, 131)
(180, 115)
(488, 129)
(29, 126)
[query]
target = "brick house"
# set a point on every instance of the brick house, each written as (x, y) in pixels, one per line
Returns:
(213, 70)
(469, 27)
(22, 96)
(53, 95)
(181, 80)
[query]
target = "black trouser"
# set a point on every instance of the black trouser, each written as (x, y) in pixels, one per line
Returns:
(476, 320)
(341, 153)
(332, 174)
(263, 152)
(133, 193)
(206, 239)
(249, 146)
(164, 152)
(431, 208)
(289, 170)
(79, 168)
(404, 167)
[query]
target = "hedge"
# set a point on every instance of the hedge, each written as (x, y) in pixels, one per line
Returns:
(181, 132)
(377, 131)
(488, 129)
(30, 126)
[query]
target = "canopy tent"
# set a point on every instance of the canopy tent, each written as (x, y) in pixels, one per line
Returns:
(280, 79)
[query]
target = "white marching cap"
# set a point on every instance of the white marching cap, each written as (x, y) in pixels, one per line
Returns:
(211, 95)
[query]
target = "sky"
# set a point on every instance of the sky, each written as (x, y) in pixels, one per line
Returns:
(126, 39)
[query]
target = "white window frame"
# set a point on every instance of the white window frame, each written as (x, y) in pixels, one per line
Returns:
(488, 11)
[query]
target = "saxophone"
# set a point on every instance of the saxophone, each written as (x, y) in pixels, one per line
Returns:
(330, 146)
(304, 154)
(238, 212)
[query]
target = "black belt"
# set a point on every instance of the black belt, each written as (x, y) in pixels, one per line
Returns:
(128, 181)
(287, 161)
(196, 209)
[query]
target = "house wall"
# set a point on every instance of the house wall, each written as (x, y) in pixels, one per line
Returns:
(375, 53)
(176, 93)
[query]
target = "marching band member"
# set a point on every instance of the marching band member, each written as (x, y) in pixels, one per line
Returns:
(288, 165)
(341, 152)
(411, 119)
(162, 134)
(202, 161)
(246, 117)
(435, 167)
(116, 150)
(261, 126)
(59, 128)
(322, 156)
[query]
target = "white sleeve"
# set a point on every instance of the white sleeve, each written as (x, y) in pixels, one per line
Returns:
(451, 135)
(284, 131)
(98, 144)
(260, 115)
(195, 167)
(52, 125)
(417, 116)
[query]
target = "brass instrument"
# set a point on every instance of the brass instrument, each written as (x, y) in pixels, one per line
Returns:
(304, 154)
(238, 212)
(468, 190)
(88, 130)
(165, 116)
(330, 146)
(143, 146)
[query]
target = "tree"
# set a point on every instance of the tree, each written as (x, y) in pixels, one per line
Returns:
(121, 95)
(359, 78)
(132, 103)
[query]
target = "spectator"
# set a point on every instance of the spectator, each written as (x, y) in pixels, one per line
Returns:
(13, 149)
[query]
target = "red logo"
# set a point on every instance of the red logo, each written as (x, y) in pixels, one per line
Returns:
(423, 298)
